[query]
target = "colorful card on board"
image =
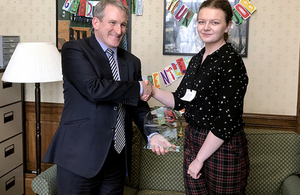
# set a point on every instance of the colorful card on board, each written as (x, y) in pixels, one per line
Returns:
(187, 60)
(163, 74)
(82, 8)
(133, 6)
(181, 65)
(176, 69)
(156, 80)
(188, 18)
(74, 6)
(242, 11)
(248, 5)
(181, 12)
(237, 18)
(89, 9)
(170, 72)
(150, 79)
(139, 8)
(67, 5)
(171, 5)
(176, 7)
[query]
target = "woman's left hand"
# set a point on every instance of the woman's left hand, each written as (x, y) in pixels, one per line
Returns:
(195, 168)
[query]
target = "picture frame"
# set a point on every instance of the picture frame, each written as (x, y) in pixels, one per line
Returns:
(181, 40)
(73, 27)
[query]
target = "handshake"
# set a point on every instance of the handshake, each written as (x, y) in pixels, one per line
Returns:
(148, 90)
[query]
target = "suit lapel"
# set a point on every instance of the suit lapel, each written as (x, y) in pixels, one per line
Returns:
(100, 56)
(123, 70)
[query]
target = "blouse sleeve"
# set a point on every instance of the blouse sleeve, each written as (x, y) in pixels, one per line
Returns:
(183, 86)
(232, 82)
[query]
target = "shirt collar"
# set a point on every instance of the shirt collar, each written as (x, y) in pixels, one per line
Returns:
(104, 47)
(219, 52)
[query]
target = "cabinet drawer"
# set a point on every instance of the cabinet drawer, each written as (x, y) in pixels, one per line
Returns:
(10, 121)
(10, 45)
(8, 51)
(5, 63)
(11, 154)
(13, 182)
(9, 92)
(10, 39)
(7, 57)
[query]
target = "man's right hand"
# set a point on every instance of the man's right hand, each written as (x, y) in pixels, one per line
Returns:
(147, 90)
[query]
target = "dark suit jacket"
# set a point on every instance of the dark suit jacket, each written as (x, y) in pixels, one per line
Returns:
(86, 129)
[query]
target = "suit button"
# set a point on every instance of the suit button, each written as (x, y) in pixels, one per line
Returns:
(116, 108)
(112, 129)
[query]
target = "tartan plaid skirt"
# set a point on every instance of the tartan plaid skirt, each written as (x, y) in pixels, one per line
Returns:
(224, 172)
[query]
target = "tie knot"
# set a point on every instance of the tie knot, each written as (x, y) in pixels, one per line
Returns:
(110, 52)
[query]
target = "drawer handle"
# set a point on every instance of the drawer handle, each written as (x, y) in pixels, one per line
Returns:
(9, 116)
(6, 85)
(9, 150)
(10, 183)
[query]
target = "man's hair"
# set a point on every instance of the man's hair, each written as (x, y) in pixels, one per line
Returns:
(99, 8)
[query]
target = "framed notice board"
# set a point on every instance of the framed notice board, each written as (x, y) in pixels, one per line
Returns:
(74, 25)
(184, 40)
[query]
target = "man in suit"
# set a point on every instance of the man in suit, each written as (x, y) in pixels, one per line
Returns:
(95, 96)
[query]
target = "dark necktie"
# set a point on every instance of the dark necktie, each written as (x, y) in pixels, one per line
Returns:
(120, 125)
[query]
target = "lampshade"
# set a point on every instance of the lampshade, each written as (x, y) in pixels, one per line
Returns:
(34, 62)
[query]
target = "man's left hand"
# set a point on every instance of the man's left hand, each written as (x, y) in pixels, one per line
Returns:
(160, 144)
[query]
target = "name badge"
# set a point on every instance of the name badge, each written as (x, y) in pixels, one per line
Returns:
(189, 95)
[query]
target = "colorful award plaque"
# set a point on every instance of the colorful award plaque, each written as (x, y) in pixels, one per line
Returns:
(167, 122)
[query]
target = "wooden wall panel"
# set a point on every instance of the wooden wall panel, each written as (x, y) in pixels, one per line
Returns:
(51, 113)
(50, 117)
(279, 122)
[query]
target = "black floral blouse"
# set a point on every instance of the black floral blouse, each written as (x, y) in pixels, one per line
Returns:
(220, 82)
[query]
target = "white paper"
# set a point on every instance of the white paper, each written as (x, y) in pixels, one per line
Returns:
(189, 95)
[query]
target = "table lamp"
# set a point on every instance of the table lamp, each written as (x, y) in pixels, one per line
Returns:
(34, 62)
